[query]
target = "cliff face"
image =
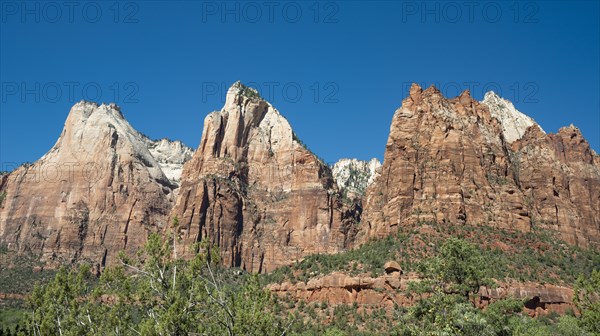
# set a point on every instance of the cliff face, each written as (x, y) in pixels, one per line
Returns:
(254, 190)
(559, 175)
(99, 190)
(465, 162)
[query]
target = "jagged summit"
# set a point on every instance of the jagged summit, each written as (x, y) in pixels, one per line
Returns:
(245, 119)
(86, 123)
(97, 191)
(86, 108)
(457, 160)
(354, 176)
(93, 130)
(253, 189)
(514, 123)
(238, 89)
(257, 192)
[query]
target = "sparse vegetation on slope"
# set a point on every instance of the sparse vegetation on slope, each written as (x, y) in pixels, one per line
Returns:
(508, 255)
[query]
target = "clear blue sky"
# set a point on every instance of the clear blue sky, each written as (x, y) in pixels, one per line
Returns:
(336, 70)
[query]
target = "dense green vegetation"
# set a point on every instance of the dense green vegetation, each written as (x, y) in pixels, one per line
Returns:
(155, 293)
(18, 274)
(444, 305)
(587, 300)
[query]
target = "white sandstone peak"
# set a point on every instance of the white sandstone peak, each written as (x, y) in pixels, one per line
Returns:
(93, 130)
(355, 175)
(170, 155)
(237, 91)
(514, 123)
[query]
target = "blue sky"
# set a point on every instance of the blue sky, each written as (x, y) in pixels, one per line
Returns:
(336, 70)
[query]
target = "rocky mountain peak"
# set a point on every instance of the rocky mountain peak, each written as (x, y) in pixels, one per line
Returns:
(93, 130)
(482, 163)
(432, 90)
(84, 109)
(415, 91)
(514, 123)
(246, 126)
(418, 96)
(170, 155)
(99, 190)
(253, 189)
(239, 94)
(353, 176)
(465, 98)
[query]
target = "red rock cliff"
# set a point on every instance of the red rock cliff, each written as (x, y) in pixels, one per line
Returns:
(96, 192)
(462, 161)
(254, 190)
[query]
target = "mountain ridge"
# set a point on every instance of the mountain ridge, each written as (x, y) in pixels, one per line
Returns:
(255, 190)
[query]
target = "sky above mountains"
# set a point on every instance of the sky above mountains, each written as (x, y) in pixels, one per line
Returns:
(336, 70)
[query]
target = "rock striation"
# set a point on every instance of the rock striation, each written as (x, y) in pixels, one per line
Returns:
(461, 161)
(98, 191)
(254, 190)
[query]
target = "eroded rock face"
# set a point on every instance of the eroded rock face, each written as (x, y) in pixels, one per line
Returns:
(255, 191)
(559, 176)
(452, 160)
(99, 190)
(538, 299)
(386, 290)
(265, 200)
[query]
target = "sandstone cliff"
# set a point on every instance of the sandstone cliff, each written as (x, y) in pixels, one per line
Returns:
(464, 162)
(390, 289)
(254, 190)
(99, 190)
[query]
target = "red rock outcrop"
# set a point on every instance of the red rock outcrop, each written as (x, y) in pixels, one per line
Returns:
(254, 190)
(389, 289)
(538, 299)
(96, 192)
(448, 160)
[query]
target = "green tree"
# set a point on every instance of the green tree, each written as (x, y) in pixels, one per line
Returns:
(498, 314)
(154, 293)
(56, 307)
(570, 326)
(448, 279)
(586, 297)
